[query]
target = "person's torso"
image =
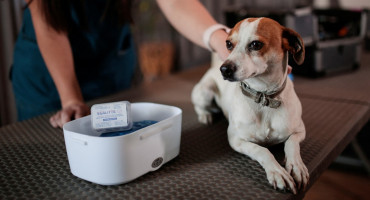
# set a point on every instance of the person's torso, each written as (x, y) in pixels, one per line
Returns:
(103, 54)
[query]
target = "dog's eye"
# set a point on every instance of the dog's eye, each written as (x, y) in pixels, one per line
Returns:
(229, 45)
(255, 45)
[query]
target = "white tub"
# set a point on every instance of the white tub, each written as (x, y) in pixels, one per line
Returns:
(120, 159)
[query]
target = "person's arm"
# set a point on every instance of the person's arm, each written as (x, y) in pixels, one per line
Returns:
(192, 19)
(57, 54)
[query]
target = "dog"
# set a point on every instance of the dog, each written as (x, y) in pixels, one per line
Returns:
(254, 92)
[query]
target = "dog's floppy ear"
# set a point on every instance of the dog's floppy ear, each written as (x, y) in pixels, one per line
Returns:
(293, 43)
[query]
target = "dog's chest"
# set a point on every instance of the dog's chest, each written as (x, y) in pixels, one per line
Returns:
(263, 126)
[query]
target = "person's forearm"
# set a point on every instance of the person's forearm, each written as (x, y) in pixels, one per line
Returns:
(191, 19)
(57, 54)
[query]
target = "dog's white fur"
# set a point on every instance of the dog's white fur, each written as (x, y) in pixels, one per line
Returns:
(251, 125)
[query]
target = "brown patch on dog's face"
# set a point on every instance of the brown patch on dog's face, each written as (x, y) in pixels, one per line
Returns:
(236, 28)
(269, 33)
(230, 42)
(251, 19)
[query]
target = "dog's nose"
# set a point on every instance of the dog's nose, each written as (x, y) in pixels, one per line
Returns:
(227, 70)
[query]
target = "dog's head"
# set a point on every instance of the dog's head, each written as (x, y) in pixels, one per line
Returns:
(259, 46)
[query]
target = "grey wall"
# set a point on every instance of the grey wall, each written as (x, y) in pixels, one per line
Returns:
(10, 21)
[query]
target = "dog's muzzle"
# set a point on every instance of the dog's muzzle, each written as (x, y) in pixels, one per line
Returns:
(228, 70)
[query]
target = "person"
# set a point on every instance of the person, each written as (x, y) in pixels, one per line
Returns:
(69, 52)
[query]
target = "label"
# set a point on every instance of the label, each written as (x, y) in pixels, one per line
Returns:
(109, 116)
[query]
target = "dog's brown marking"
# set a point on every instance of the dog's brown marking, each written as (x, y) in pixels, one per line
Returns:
(236, 28)
(269, 32)
(250, 20)
(234, 31)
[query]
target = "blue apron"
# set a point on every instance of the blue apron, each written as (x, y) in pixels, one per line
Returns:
(104, 59)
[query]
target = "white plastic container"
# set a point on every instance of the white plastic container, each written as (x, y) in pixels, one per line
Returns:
(120, 159)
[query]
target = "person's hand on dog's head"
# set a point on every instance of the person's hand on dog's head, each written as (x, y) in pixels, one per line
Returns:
(68, 113)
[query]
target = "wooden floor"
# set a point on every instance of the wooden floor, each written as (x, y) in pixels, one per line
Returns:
(340, 185)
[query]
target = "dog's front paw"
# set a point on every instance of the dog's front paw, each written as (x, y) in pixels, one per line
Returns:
(204, 116)
(279, 178)
(298, 170)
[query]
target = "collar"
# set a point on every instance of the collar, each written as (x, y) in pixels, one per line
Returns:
(264, 98)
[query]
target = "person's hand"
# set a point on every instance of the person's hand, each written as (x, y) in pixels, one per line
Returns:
(218, 43)
(68, 113)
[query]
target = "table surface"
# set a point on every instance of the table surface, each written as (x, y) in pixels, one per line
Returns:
(34, 163)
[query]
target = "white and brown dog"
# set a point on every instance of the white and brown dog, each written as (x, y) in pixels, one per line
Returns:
(258, 98)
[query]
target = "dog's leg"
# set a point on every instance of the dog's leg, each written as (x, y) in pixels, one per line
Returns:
(294, 164)
(277, 176)
(202, 97)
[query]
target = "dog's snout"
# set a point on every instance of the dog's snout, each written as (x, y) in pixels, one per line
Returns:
(227, 70)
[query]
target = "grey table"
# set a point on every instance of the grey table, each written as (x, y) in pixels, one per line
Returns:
(34, 164)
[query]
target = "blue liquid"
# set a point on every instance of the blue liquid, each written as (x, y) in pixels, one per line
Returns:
(135, 126)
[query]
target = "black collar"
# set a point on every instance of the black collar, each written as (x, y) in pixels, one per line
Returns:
(264, 98)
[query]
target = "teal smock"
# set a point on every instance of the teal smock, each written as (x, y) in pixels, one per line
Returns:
(104, 60)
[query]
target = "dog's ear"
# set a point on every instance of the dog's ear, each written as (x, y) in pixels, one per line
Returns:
(293, 43)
